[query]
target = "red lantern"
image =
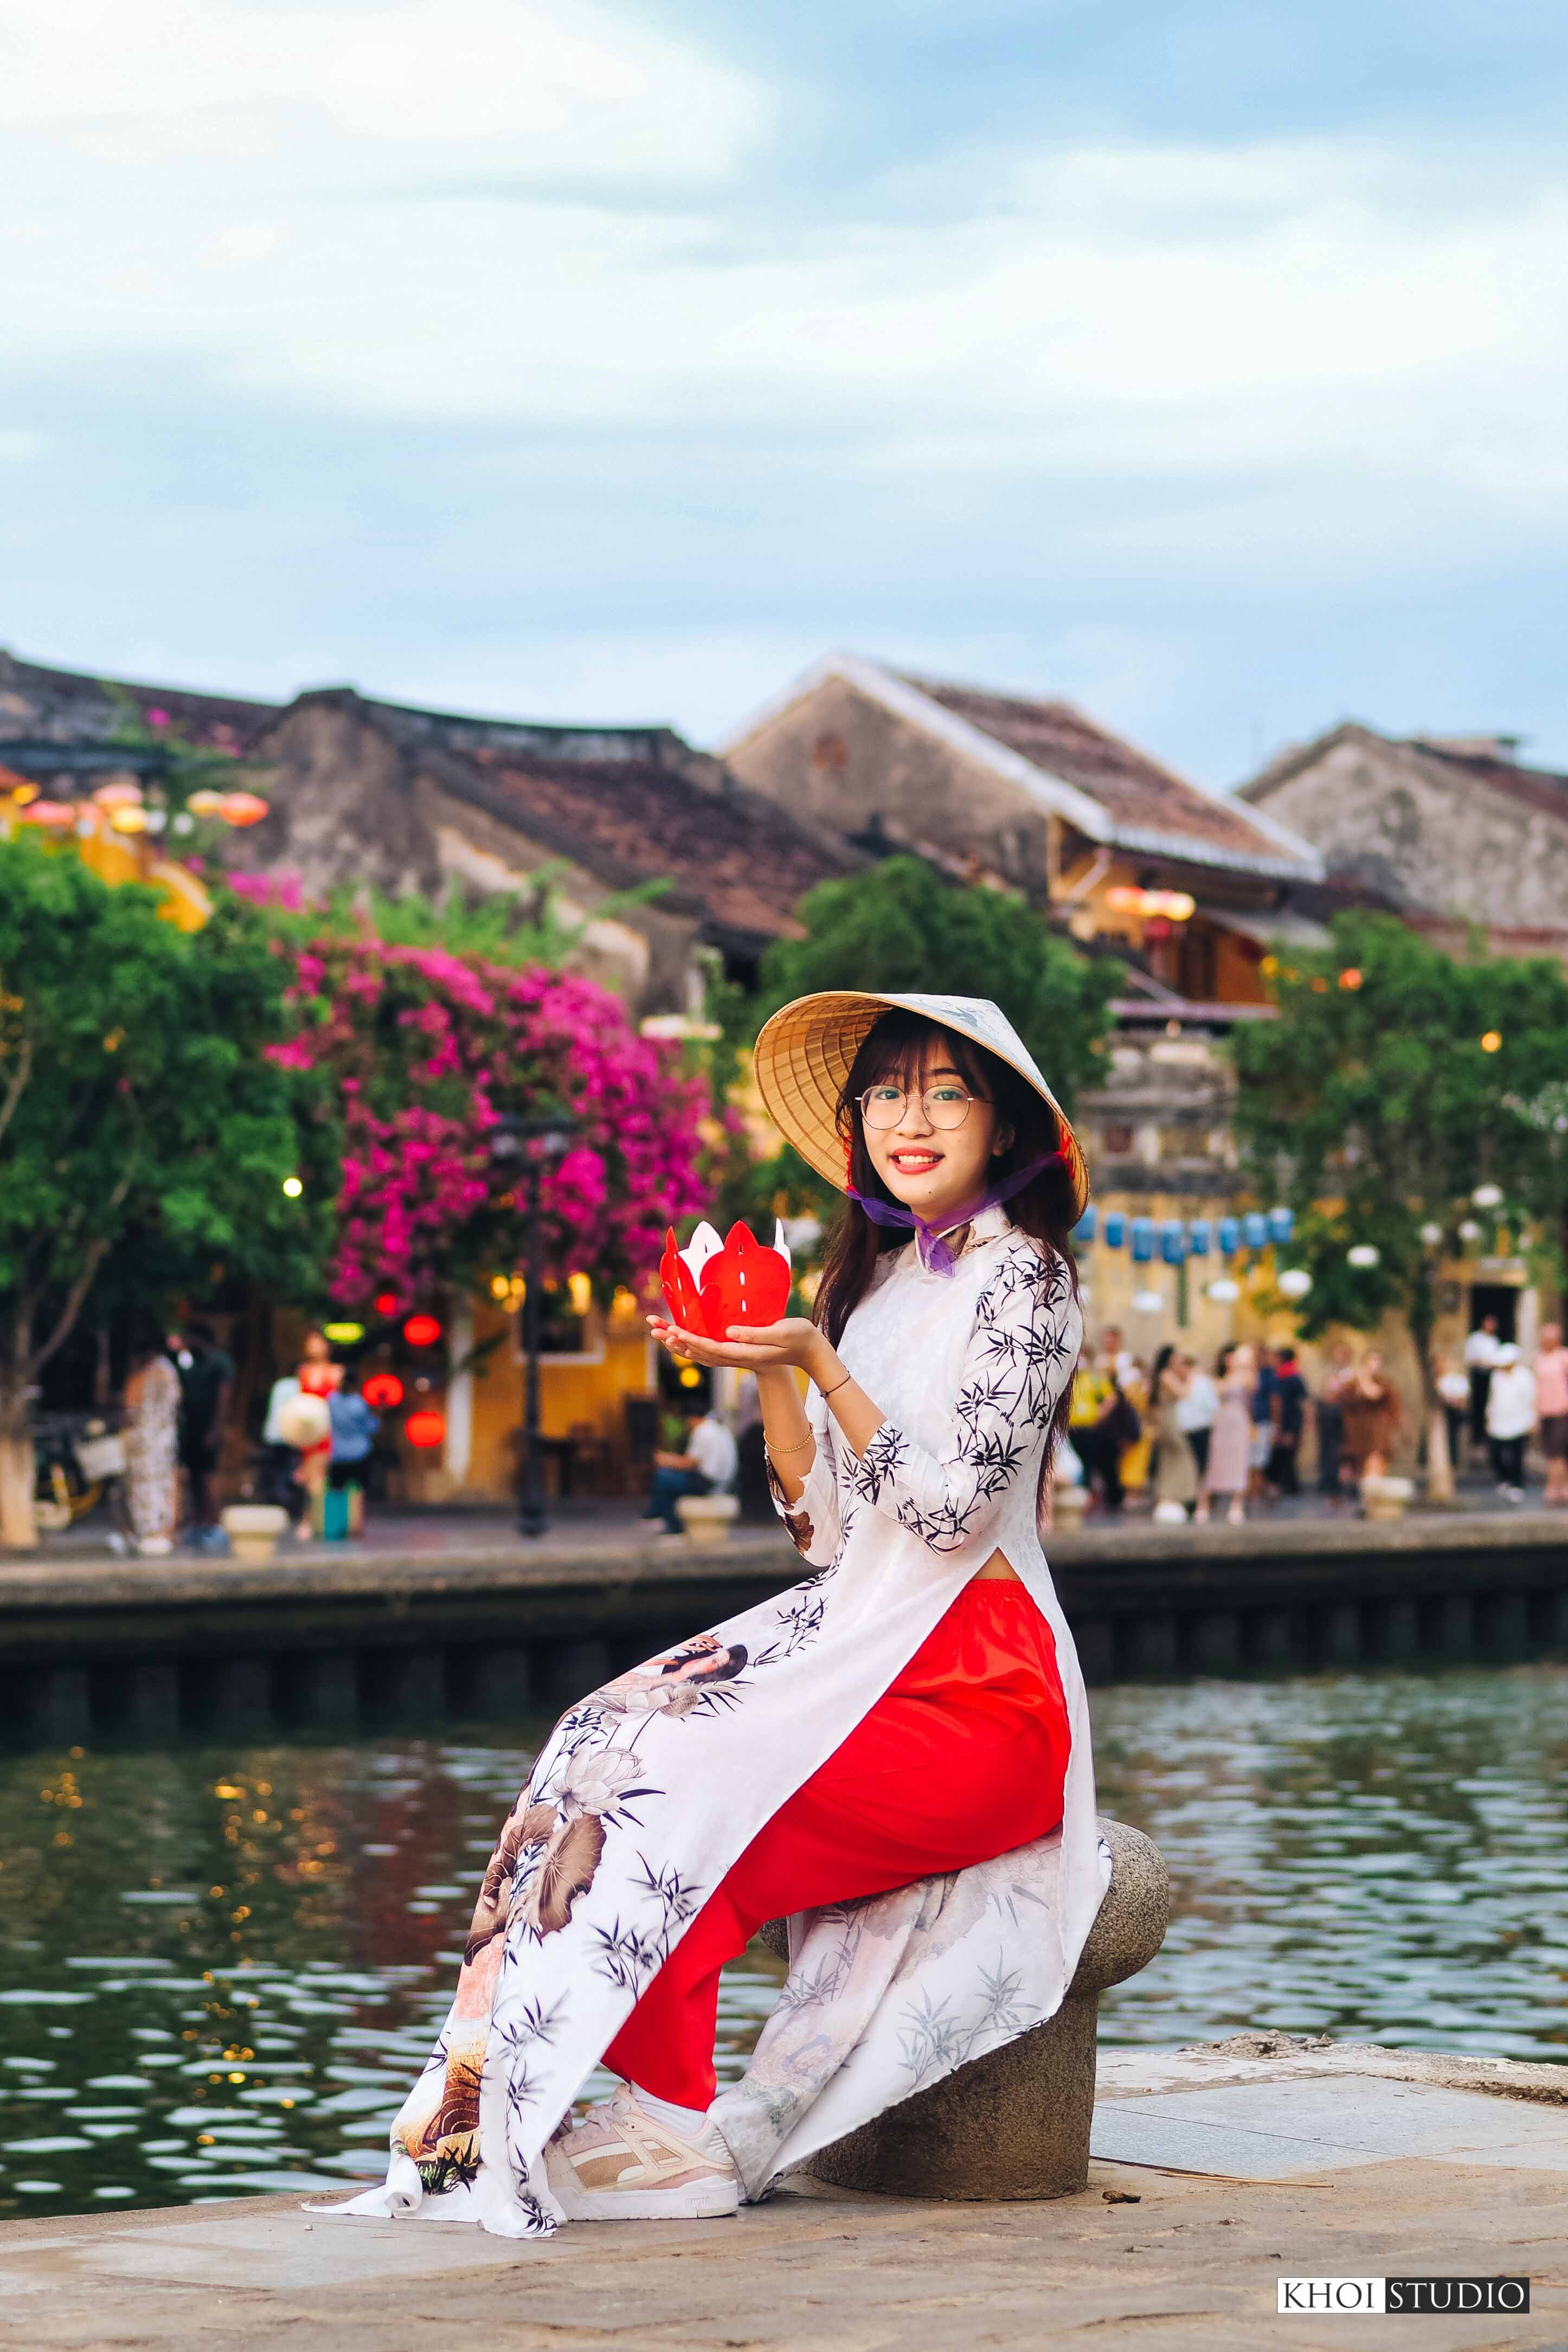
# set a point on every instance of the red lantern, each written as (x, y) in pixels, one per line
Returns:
(709, 1285)
(385, 1302)
(382, 1391)
(422, 1331)
(426, 1429)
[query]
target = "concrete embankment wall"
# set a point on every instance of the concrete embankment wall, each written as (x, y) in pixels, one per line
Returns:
(502, 1633)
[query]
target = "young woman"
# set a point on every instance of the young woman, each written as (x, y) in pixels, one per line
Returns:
(1175, 1467)
(1229, 1465)
(151, 1438)
(894, 1755)
(1372, 1417)
(318, 1376)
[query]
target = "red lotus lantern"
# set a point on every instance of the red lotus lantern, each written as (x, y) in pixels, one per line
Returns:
(426, 1429)
(52, 813)
(385, 1302)
(382, 1391)
(711, 1283)
(422, 1331)
(244, 808)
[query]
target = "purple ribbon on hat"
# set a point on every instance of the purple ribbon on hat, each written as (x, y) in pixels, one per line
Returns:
(935, 1254)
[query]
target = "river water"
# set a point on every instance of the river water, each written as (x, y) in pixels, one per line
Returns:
(222, 1966)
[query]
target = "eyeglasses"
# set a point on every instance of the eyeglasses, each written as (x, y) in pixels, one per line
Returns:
(945, 1106)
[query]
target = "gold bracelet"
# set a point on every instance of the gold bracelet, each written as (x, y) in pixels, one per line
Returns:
(773, 1451)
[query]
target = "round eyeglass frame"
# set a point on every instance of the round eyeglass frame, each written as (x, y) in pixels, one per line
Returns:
(941, 1126)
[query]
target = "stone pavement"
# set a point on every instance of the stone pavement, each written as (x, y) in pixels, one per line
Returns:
(1176, 2260)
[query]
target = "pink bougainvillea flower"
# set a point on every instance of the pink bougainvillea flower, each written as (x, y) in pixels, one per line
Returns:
(423, 1051)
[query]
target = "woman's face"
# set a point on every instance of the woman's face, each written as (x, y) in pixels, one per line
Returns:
(931, 1168)
(1371, 1363)
(316, 1347)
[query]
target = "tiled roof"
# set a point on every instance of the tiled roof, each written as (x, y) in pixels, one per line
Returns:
(1148, 807)
(72, 706)
(1542, 789)
(626, 802)
(738, 856)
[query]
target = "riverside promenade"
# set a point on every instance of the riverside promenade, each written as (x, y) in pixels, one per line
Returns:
(1217, 2170)
(455, 1617)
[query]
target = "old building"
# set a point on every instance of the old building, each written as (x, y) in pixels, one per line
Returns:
(652, 848)
(403, 799)
(1119, 849)
(663, 863)
(1188, 890)
(1452, 832)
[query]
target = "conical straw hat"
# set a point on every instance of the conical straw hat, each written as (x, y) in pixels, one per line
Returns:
(804, 1055)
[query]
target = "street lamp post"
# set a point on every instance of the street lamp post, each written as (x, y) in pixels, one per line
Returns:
(533, 1142)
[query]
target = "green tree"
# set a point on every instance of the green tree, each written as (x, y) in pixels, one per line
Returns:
(1379, 1100)
(903, 928)
(143, 1130)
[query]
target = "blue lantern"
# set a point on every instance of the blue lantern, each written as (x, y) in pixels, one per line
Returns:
(1254, 1229)
(1115, 1229)
(1230, 1236)
(1083, 1232)
(1281, 1225)
(1172, 1242)
(1143, 1240)
(1199, 1242)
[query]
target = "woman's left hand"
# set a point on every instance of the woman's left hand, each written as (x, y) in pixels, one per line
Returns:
(750, 1347)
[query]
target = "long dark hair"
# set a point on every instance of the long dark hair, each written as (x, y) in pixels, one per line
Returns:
(1046, 1208)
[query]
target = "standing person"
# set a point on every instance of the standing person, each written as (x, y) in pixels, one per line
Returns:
(1339, 1371)
(1096, 1427)
(911, 1713)
(280, 1455)
(1371, 1416)
(1175, 1469)
(206, 1384)
(1481, 1355)
(1117, 1357)
(1289, 1415)
(1262, 1424)
(1196, 1409)
(1551, 1406)
(152, 1440)
(706, 1464)
(318, 1376)
(1453, 1395)
(1229, 1466)
(1510, 1417)
(1136, 1432)
(353, 1427)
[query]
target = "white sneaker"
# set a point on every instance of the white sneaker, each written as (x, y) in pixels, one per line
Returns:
(618, 2164)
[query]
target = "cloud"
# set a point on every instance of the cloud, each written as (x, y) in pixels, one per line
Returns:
(553, 356)
(143, 79)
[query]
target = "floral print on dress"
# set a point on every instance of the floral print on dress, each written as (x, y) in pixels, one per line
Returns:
(1019, 1356)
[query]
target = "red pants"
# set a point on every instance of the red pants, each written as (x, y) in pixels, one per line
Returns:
(962, 1758)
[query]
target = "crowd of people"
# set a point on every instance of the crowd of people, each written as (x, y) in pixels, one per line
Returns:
(318, 1434)
(1189, 1441)
(1193, 1442)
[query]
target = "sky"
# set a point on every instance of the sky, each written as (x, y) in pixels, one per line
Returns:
(1200, 360)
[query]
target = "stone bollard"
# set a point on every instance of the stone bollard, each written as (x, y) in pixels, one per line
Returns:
(707, 1518)
(253, 1529)
(1386, 1498)
(1069, 1503)
(1015, 2124)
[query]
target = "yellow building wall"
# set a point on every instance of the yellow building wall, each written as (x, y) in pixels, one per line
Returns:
(573, 1395)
